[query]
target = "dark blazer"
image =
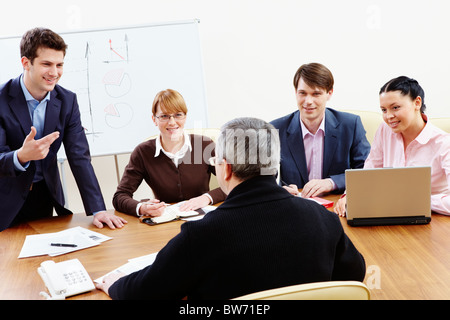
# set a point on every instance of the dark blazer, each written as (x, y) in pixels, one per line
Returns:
(62, 115)
(260, 238)
(345, 147)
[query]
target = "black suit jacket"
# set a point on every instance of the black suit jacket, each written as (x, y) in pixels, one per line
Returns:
(63, 115)
(260, 238)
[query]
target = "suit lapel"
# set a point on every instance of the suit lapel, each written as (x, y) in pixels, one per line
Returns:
(330, 141)
(19, 106)
(295, 142)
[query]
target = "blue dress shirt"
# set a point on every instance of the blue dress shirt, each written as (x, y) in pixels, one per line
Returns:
(37, 114)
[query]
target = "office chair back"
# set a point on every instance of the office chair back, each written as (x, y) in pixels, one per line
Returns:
(329, 290)
(443, 123)
(371, 120)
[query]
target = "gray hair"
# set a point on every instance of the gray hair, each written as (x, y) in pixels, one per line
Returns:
(251, 146)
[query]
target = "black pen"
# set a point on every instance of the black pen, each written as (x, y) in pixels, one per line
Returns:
(63, 245)
(284, 184)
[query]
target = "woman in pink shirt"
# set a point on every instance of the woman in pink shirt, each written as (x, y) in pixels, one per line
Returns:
(407, 139)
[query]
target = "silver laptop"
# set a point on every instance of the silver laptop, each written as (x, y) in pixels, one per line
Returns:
(388, 196)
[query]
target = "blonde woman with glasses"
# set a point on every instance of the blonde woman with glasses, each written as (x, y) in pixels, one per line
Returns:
(174, 165)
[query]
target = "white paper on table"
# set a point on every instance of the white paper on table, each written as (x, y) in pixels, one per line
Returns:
(39, 244)
(92, 234)
(206, 210)
(144, 261)
(132, 265)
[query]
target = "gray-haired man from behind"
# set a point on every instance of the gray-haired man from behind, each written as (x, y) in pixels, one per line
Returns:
(261, 237)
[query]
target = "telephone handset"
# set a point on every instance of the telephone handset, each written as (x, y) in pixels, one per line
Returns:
(64, 279)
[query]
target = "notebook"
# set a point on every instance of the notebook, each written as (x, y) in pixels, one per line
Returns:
(388, 196)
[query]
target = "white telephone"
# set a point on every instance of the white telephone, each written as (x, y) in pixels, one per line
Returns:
(64, 279)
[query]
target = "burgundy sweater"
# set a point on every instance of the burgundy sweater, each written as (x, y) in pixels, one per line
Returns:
(168, 183)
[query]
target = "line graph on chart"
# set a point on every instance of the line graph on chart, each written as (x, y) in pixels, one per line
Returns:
(116, 83)
(118, 53)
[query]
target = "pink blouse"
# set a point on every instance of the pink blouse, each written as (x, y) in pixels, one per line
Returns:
(430, 148)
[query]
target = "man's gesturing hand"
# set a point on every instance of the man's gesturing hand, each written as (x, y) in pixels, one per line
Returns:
(35, 149)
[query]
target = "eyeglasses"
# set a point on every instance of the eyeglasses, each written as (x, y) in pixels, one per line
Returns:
(214, 161)
(176, 116)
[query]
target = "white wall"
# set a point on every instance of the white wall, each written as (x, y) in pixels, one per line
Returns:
(252, 48)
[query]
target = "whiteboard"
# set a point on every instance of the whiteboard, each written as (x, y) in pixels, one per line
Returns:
(116, 74)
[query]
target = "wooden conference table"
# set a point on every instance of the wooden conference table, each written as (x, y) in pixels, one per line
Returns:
(403, 262)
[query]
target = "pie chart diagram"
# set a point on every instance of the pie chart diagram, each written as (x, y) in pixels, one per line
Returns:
(118, 115)
(117, 83)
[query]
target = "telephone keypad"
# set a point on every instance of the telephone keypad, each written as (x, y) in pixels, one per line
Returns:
(75, 277)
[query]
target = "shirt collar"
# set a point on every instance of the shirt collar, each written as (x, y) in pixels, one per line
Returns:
(186, 146)
(427, 132)
(305, 130)
(27, 94)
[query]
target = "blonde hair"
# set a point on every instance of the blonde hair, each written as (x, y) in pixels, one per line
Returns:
(170, 100)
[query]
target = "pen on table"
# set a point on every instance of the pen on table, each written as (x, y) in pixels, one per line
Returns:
(63, 245)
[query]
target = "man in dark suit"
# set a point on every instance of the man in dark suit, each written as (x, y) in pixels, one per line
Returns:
(318, 143)
(36, 117)
(261, 237)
